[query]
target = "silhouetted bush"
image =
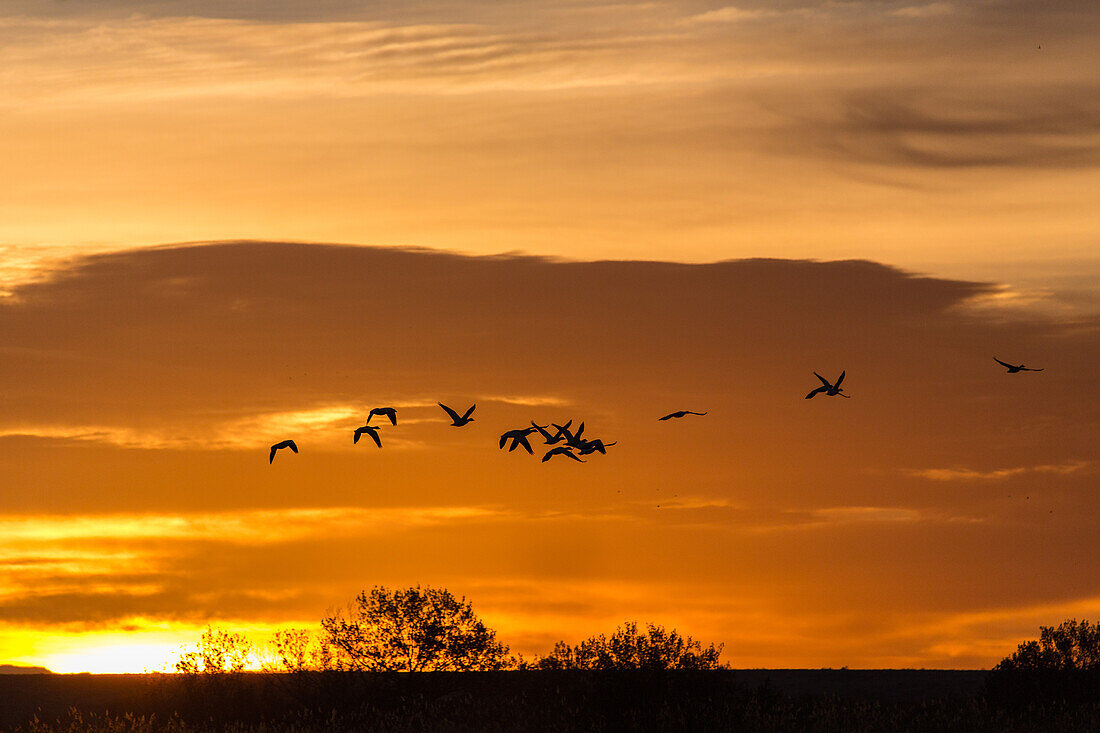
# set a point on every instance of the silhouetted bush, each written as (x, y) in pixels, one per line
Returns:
(412, 630)
(218, 652)
(1061, 668)
(657, 649)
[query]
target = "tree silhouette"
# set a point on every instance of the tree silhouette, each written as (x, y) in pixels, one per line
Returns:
(1060, 668)
(1072, 645)
(628, 649)
(218, 652)
(412, 630)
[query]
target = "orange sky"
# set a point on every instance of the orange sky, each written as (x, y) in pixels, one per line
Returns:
(934, 519)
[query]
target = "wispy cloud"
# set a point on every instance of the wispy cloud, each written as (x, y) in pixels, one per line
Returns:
(255, 526)
(970, 474)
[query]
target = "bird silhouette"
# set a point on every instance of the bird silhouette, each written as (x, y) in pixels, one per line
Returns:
(561, 450)
(457, 421)
(831, 390)
(680, 413)
(550, 439)
(371, 431)
(573, 440)
(1013, 369)
(518, 441)
(285, 444)
(513, 435)
(595, 446)
(389, 412)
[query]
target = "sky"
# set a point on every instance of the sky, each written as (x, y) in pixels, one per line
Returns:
(226, 224)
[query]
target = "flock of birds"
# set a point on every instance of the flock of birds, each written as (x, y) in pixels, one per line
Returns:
(573, 445)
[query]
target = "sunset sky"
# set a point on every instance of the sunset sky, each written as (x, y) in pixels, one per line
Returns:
(226, 224)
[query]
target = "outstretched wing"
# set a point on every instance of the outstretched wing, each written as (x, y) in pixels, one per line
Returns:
(823, 380)
(573, 455)
(1027, 369)
(840, 379)
(542, 431)
(1007, 366)
(580, 431)
(271, 457)
(526, 446)
(550, 454)
(391, 413)
(449, 411)
(469, 412)
(374, 434)
(290, 444)
(816, 391)
(358, 432)
(669, 416)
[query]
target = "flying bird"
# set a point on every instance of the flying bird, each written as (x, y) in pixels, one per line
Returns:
(573, 440)
(550, 439)
(680, 413)
(457, 421)
(561, 450)
(520, 440)
(285, 444)
(1012, 368)
(371, 431)
(389, 412)
(596, 446)
(514, 435)
(831, 390)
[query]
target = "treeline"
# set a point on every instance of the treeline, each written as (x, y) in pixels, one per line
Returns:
(429, 630)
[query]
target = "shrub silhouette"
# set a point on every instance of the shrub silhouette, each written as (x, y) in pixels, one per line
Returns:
(218, 652)
(412, 630)
(1072, 645)
(657, 649)
(1061, 667)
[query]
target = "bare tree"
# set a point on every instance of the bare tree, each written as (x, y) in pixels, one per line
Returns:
(412, 630)
(218, 652)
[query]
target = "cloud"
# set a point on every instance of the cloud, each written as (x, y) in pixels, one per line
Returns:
(1039, 126)
(730, 14)
(969, 474)
(248, 527)
(924, 10)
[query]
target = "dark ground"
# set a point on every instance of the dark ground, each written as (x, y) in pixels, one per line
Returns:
(732, 700)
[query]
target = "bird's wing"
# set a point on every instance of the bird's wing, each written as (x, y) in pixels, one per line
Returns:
(503, 439)
(374, 411)
(271, 457)
(580, 431)
(358, 432)
(449, 411)
(374, 434)
(392, 415)
(669, 416)
(469, 412)
(823, 380)
(1009, 366)
(573, 455)
(819, 389)
(525, 444)
(545, 434)
(839, 379)
(550, 454)
(290, 444)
